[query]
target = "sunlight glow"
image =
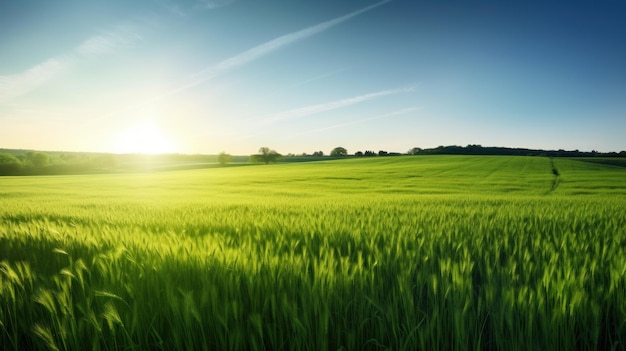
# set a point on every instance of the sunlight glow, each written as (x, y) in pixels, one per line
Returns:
(145, 137)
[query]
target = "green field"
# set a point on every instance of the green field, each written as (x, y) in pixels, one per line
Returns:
(398, 253)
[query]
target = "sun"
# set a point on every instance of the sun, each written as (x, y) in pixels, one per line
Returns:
(144, 137)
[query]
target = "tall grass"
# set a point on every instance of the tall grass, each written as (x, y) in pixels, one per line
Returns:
(411, 253)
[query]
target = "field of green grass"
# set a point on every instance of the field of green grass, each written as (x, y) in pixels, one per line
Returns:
(397, 253)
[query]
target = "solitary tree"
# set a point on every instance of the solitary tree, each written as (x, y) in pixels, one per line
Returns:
(414, 151)
(266, 155)
(223, 158)
(339, 151)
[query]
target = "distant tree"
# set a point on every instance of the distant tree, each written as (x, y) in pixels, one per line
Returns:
(339, 151)
(318, 153)
(37, 159)
(358, 153)
(369, 153)
(266, 155)
(382, 153)
(414, 151)
(8, 159)
(223, 158)
(9, 164)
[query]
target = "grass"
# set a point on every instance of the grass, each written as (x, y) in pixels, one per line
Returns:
(435, 252)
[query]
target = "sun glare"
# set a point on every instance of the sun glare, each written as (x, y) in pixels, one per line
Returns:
(145, 137)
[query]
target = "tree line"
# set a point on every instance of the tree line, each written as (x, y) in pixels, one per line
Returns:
(474, 149)
(26, 162)
(21, 162)
(36, 162)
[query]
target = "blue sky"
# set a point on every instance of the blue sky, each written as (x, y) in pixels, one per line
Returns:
(300, 76)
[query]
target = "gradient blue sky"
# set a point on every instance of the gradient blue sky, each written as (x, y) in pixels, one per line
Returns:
(300, 76)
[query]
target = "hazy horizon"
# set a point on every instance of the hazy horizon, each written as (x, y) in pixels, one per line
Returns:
(201, 77)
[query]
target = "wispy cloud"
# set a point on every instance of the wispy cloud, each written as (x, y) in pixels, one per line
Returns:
(333, 105)
(109, 41)
(250, 55)
(213, 4)
(268, 47)
(12, 86)
(268, 94)
(339, 125)
(182, 9)
(346, 124)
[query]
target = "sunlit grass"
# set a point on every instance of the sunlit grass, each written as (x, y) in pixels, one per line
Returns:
(397, 253)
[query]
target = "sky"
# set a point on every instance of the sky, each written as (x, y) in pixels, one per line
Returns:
(299, 76)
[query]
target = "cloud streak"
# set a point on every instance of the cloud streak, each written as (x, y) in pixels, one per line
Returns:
(280, 42)
(179, 9)
(333, 105)
(15, 85)
(213, 4)
(251, 55)
(108, 42)
(346, 124)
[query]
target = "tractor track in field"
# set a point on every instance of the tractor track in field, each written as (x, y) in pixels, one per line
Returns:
(557, 176)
